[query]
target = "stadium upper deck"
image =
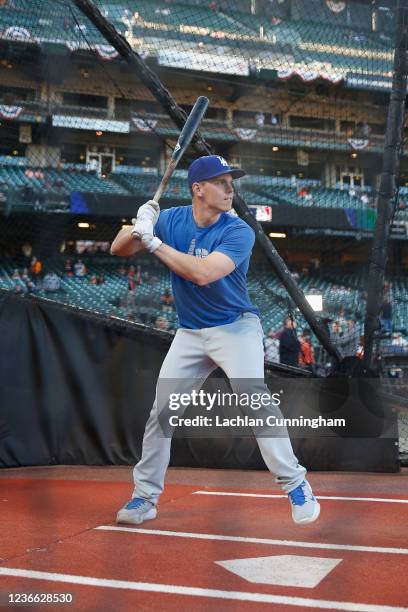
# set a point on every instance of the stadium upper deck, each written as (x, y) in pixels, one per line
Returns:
(318, 47)
(317, 143)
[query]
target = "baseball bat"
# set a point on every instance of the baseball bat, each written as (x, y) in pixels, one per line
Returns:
(186, 134)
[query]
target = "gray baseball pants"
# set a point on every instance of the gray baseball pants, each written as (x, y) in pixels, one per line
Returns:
(237, 348)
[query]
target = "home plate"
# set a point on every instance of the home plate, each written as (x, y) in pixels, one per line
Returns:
(282, 570)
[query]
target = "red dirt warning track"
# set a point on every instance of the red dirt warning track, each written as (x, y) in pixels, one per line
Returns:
(59, 536)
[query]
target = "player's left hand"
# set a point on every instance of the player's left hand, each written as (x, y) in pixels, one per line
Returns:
(145, 228)
(140, 227)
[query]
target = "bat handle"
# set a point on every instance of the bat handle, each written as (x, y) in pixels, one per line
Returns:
(163, 183)
(158, 193)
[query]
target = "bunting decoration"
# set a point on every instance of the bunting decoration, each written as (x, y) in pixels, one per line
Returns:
(10, 112)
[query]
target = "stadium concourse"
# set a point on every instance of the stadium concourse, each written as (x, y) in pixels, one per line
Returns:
(93, 95)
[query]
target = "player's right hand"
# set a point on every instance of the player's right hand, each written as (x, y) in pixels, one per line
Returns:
(149, 212)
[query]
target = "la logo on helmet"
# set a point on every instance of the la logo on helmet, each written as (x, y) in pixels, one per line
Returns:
(222, 160)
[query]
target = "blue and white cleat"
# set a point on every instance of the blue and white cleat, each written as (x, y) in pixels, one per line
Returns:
(137, 511)
(305, 507)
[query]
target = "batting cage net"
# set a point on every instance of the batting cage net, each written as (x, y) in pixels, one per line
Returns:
(299, 97)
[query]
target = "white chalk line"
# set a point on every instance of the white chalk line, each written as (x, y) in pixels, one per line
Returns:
(196, 591)
(248, 540)
(271, 496)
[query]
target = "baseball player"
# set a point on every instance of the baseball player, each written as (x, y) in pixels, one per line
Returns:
(207, 250)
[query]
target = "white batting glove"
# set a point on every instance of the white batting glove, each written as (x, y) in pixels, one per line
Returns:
(140, 227)
(150, 242)
(149, 212)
